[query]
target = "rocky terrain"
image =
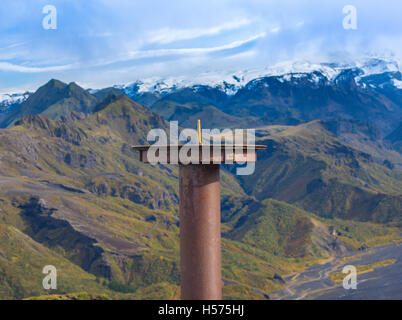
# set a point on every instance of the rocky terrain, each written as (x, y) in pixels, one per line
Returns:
(73, 193)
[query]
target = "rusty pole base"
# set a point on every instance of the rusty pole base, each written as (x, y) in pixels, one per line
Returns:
(200, 232)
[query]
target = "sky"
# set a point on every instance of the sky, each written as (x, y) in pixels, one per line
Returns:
(99, 43)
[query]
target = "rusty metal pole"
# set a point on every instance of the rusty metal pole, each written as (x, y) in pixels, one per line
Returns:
(200, 232)
(200, 225)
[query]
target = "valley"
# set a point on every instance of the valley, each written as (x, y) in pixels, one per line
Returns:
(74, 194)
(379, 282)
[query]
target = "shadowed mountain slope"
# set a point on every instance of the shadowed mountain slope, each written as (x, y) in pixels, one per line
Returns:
(70, 184)
(54, 99)
(395, 138)
(308, 166)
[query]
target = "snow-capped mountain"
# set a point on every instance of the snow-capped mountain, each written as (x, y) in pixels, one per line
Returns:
(286, 93)
(8, 101)
(231, 82)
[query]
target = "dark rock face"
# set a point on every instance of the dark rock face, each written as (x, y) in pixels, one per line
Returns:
(81, 160)
(71, 117)
(154, 199)
(278, 278)
(315, 184)
(52, 232)
(363, 248)
(68, 135)
(151, 218)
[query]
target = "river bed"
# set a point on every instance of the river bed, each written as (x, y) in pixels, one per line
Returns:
(382, 283)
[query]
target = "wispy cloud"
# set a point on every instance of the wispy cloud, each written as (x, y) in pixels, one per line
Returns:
(6, 66)
(157, 53)
(275, 29)
(117, 41)
(132, 55)
(12, 45)
(169, 35)
(163, 52)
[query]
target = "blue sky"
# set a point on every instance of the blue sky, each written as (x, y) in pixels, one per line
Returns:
(105, 42)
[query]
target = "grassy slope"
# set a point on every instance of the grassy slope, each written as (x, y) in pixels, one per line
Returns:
(307, 166)
(87, 171)
(133, 203)
(188, 113)
(22, 260)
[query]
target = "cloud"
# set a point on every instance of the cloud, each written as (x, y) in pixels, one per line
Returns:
(169, 35)
(132, 55)
(6, 66)
(116, 41)
(275, 29)
(145, 54)
(162, 52)
(12, 45)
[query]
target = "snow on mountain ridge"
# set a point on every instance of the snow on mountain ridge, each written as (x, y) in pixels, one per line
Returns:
(7, 100)
(231, 82)
(397, 83)
(377, 66)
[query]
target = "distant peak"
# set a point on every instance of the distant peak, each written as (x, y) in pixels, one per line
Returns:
(111, 98)
(74, 85)
(55, 82)
(231, 81)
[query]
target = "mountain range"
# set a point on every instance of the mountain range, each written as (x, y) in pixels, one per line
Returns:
(73, 193)
(288, 93)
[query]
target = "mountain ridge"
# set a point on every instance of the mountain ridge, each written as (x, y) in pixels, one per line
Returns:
(230, 82)
(71, 184)
(54, 99)
(291, 93)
